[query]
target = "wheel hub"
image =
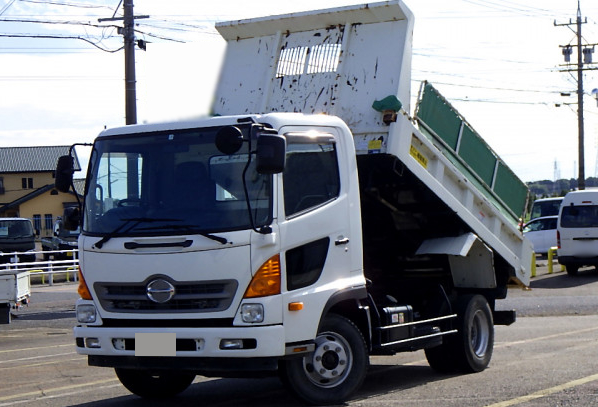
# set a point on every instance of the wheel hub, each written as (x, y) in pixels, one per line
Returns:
(480, 334)
(330, 362)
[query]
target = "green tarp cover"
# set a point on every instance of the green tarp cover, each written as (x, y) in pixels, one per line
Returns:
(472, 155)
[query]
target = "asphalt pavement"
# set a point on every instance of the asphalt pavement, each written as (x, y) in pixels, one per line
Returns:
(544, 359)
(576, 296)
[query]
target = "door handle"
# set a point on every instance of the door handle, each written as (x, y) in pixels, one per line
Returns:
(344, 240)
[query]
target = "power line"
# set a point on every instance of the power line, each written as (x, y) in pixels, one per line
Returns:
(499, 88)
(64, 3)
(59, 37)
(52, 22)
(503, 102)
(6, 7)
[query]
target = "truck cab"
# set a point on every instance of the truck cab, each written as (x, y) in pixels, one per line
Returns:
(16, 235)
(62, 242)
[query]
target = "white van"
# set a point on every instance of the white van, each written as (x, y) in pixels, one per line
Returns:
(546, 207)
(577, 230)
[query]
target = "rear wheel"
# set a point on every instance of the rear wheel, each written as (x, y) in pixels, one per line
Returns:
(5, 313)
(470, 349)
(572, 270)
(150, 385)
(335, 369)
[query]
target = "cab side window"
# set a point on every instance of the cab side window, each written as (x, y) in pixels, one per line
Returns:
(310, 177)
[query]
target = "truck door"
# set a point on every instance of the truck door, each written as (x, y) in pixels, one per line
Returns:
(318, 235)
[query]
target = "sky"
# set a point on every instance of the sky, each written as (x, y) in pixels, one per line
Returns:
(498, 62)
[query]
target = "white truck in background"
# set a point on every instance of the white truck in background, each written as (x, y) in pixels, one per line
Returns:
(307, 226)
(17, 243)
(577, 230)
(15, 290)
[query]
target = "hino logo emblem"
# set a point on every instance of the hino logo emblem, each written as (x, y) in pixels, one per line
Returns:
(160, 291)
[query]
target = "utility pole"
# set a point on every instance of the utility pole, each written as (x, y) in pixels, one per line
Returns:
(128, 33)
(130, 80)
(581, 183)
(584, 56)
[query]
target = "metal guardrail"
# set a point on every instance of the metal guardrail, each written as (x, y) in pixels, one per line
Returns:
(46, 269)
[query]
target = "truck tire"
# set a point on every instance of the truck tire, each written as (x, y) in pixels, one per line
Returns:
(470, 349)
(334, 370)
(572, 270)
(154, 386)
(4, 313)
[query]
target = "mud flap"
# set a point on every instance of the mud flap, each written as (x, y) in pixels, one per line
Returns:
(471, 261)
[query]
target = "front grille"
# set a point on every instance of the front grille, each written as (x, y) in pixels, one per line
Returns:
(168, 323)
(195, 296)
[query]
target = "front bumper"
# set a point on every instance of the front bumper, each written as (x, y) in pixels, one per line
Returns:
(258, 341)
(209, 367)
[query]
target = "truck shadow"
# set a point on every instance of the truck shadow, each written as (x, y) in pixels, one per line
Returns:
(269, 392)
(563, 280)
(43, 316)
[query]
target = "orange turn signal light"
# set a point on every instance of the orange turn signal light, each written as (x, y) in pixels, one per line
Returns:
(267, 279)
(295, 306)
(83, 290)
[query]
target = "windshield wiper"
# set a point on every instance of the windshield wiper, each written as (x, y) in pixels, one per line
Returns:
(190, 229)
(127, 221)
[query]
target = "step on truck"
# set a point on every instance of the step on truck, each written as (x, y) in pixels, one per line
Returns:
(310, 224)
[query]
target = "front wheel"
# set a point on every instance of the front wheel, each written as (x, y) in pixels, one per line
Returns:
(572, 270)
(470, 349)
(335, 369)
(154, 385)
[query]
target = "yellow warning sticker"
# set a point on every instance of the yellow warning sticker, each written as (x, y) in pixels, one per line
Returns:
(374, 144)
(419, 157)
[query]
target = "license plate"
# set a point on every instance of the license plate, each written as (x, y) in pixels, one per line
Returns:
(155, 344)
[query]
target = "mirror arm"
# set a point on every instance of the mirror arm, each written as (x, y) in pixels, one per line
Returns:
(263, 230)
(71, 148)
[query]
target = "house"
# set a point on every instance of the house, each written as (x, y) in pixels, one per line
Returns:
(27, 185)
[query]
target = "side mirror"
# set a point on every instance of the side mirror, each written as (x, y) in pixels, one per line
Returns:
(64, 173)
(270, 153)
(71, 218)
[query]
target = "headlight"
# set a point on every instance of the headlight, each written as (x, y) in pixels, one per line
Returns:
(86, 313)
(252, 313)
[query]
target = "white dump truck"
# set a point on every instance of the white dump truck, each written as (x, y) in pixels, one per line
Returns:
(311, 223)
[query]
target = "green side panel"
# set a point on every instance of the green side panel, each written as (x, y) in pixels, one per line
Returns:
(432, 111)
(474, 151)
(475, 181)
(474, 158)
(511, 190)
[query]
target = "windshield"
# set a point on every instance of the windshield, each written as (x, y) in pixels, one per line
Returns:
(546, 208)
(11, 229)
(173, 182)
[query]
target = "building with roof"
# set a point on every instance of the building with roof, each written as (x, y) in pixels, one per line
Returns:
(27, 185)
